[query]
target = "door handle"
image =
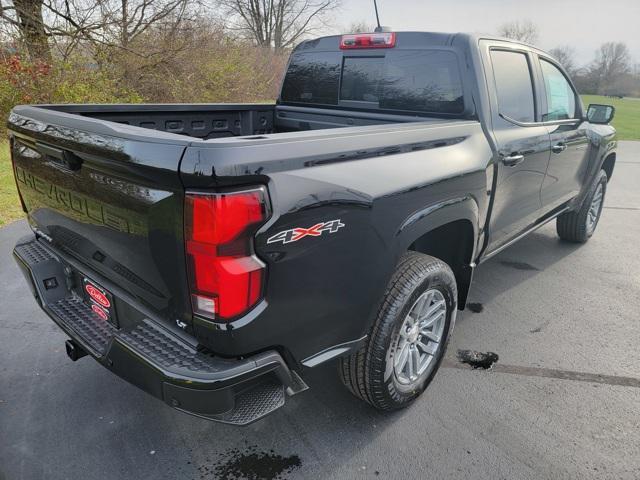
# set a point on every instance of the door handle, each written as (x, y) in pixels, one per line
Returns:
(512, 160)
(559, 148)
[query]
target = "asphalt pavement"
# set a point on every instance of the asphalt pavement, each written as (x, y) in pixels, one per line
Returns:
(563, 400)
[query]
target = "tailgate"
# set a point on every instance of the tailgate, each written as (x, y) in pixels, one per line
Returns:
(112, 202)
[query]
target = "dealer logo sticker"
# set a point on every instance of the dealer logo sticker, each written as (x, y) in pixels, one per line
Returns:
(100, 312)
(97, 296)
(295, 234)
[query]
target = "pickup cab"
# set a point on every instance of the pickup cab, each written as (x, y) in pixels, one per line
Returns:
(212, 253)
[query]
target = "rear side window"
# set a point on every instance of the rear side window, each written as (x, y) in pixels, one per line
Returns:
(561, 99)
(514, 86)
(424, 81)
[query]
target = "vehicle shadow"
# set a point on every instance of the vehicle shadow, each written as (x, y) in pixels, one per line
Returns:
(524, 260)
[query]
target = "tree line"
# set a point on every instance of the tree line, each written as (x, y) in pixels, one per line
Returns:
(197, 50)
(611, 72)
(149, 50)
(42, 26)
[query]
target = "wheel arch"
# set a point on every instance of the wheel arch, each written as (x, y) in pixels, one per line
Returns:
(448, 231)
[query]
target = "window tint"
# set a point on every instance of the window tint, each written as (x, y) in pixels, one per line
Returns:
(313, 78)
(513, 85)
(425, 81)
(561, 99)
(361, 79)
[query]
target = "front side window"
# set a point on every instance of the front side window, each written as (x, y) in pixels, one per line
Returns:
(514, 86)
(561, 99)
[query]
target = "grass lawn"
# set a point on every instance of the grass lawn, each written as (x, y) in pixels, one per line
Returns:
(627, 118)
(9, 203)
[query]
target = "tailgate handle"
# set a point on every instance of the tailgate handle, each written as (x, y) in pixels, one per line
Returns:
(65, 158)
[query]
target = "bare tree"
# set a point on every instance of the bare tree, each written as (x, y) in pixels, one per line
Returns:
(611, 63)
(26, 17)
(277, 23)
(359, 27)
(125, 20)
(101, 23)
(565, 55)
(72, 23)
(520, 30)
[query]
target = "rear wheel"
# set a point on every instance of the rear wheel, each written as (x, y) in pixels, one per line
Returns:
(408, 339)
(578, 226)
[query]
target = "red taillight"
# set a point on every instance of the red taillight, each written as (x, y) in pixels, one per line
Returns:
(368, 40)
(226, 278)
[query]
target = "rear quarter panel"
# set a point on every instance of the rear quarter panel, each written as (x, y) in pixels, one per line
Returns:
(387, 190)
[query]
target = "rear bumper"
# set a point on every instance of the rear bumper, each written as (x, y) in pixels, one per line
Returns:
(150, 356)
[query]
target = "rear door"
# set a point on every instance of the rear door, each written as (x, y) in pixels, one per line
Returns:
(113, 204)
(523, 143)
(562, 113)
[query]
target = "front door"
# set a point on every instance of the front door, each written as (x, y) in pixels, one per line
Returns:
(562, 113)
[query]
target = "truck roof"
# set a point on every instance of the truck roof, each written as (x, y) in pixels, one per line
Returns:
(413, 40)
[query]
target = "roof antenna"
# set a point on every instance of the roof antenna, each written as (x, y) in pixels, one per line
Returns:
(378, 28)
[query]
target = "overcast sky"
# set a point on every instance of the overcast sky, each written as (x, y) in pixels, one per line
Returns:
(582, 24)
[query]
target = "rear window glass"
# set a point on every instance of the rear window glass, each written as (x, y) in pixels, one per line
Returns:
(426, 81)
(361, 79)
(313, 78)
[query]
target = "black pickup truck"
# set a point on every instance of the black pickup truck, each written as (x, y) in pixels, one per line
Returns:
(211, 253)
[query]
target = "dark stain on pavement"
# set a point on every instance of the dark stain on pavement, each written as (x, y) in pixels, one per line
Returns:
(519, 265)
(475, 307)
(251, 464)
(476, 359)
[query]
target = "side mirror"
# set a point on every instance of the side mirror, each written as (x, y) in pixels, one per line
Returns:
(603, 114)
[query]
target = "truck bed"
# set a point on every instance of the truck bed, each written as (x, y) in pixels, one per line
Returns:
(211, 121)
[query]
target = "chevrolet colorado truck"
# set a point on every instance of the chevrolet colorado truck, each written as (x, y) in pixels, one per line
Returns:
(211, 253)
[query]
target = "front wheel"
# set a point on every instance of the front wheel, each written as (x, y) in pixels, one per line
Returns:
(579, 226)
(408, 339)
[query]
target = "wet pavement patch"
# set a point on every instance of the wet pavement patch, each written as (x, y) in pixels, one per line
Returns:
(251, 464)
(476, 359)
(475, 307)
(519, 265)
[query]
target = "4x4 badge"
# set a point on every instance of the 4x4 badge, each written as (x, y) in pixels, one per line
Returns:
(295, 234)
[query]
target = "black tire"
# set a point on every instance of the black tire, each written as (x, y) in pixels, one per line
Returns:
(366, 372)
(573, 226)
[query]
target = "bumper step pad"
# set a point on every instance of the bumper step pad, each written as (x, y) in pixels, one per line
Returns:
(79, 317)
(254, 404)
(166, 351)
(68, 308)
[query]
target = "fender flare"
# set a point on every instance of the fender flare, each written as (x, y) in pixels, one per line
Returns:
(436, 215)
